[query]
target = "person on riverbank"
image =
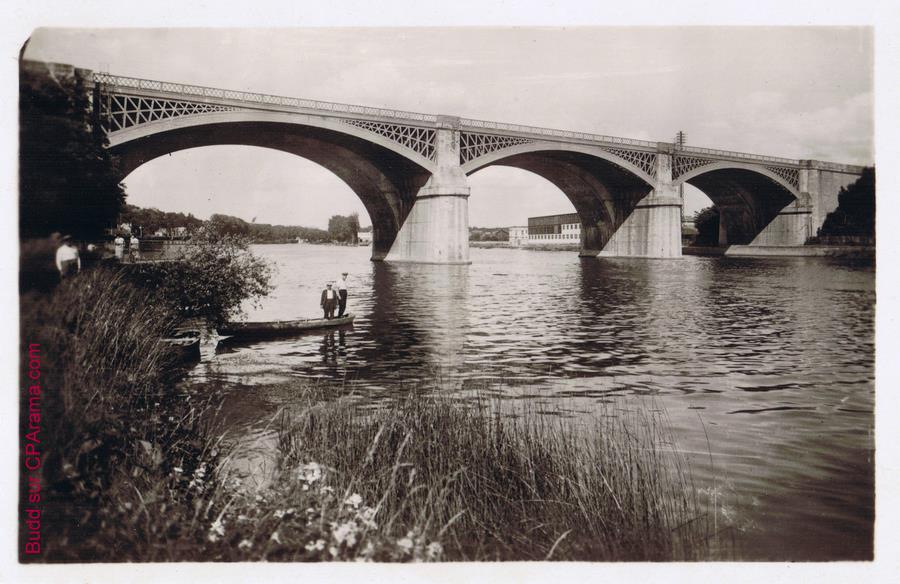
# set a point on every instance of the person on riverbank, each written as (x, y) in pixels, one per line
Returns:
(329, 301)
(119, 242)
(342, 294)
(68, 262)
(135, 247)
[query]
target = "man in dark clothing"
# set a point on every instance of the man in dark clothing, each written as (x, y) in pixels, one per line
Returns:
(329, 301)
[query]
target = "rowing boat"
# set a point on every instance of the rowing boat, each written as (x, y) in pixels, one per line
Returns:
(276, 328)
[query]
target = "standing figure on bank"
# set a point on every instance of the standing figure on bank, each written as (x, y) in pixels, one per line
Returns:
(342, 294)
(68, 262)
(119, 242)
(135, 248)
(329, 301)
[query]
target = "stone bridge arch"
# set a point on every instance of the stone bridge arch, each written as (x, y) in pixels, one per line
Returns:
(757, 203)
(604, 185)
(384, 173)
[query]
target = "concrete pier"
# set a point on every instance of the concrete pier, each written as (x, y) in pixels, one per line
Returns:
(437, 228)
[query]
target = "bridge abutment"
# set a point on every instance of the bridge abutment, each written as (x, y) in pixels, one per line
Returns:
(436, 231)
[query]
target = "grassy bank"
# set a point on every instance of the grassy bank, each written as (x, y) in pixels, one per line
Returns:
(134, 471)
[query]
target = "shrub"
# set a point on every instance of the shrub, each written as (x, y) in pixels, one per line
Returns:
(213, 275)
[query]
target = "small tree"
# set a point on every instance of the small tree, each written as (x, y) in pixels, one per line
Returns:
(855, 214)
(211, 278)
(344, 228)
(707, 223)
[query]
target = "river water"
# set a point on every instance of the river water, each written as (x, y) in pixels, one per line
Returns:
(765, 367)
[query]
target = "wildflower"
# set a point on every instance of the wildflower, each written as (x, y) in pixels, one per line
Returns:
(276, 538)
(216, 530)
(245, 544)
(333, 551)
(317, 545)
(310, 511)
(178, 469)
(434, 550)
(354, 500)
(367, 516)
(405, 544)
(327, 490)
(280, 513)
(345, 533)
(310, 473)
(243, 518)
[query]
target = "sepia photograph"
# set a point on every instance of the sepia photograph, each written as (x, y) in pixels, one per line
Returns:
(446, 294)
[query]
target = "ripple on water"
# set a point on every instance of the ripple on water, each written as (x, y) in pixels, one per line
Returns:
(764, 368)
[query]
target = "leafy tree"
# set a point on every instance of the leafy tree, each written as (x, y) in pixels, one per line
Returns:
(68, 181)
(211, 279)
(707, 223)
(344, 228)
(226, 224)
(855, 214)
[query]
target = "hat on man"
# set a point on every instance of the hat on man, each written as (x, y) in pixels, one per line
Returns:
(328, 284)
(343, 273)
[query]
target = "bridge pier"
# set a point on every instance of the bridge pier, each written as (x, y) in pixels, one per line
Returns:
(653, 229)
(436, 231)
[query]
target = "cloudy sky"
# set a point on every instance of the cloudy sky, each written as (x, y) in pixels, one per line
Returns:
(795, 92)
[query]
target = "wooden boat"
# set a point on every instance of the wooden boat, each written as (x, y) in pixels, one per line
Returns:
(184, 345)
(277, 328)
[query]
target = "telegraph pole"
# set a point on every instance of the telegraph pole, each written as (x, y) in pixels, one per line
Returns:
(680, 139)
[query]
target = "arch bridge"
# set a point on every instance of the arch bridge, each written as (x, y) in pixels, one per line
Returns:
(410, 169)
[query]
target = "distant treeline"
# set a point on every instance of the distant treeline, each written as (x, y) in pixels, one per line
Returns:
(151, 221)
(488, 234)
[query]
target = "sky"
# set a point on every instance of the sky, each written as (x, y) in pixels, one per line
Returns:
(797, 92)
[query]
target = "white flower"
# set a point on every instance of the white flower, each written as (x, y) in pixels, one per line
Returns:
(216, 530)
(345, 533)
(405, 544)
(317, 545)
(434, 550)
(310, 472)
(327, 490)
(245, 544)
(367, 516)
(354, 500)
(333, 551)
(178, 469)
(275, 537)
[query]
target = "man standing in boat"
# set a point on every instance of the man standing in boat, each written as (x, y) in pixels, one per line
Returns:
(342, 294)
(329, 301)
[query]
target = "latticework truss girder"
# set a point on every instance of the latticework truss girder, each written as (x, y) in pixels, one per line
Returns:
(419, 140)
(473, 145)
(790, 175)
(126, 111)
(685, 164)
(646, 161)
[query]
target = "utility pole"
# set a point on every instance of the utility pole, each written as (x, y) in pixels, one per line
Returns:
(680, 139)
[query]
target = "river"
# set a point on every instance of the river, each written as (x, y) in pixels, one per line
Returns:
(765, 367)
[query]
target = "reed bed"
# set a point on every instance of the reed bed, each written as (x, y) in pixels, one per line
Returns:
(487, 479)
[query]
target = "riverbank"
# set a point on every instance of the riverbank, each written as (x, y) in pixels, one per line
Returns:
(140, 471)
(848, 251)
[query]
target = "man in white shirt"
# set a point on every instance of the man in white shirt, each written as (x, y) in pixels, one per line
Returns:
(120, 247)
(341, 286)
(68, 261)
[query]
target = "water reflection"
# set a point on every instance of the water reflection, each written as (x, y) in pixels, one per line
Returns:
(765, 367)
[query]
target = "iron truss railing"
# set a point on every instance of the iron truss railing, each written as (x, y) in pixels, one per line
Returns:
(117, 82)
(120, 83)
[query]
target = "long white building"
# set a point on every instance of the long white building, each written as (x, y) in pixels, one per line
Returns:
(547, 230)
